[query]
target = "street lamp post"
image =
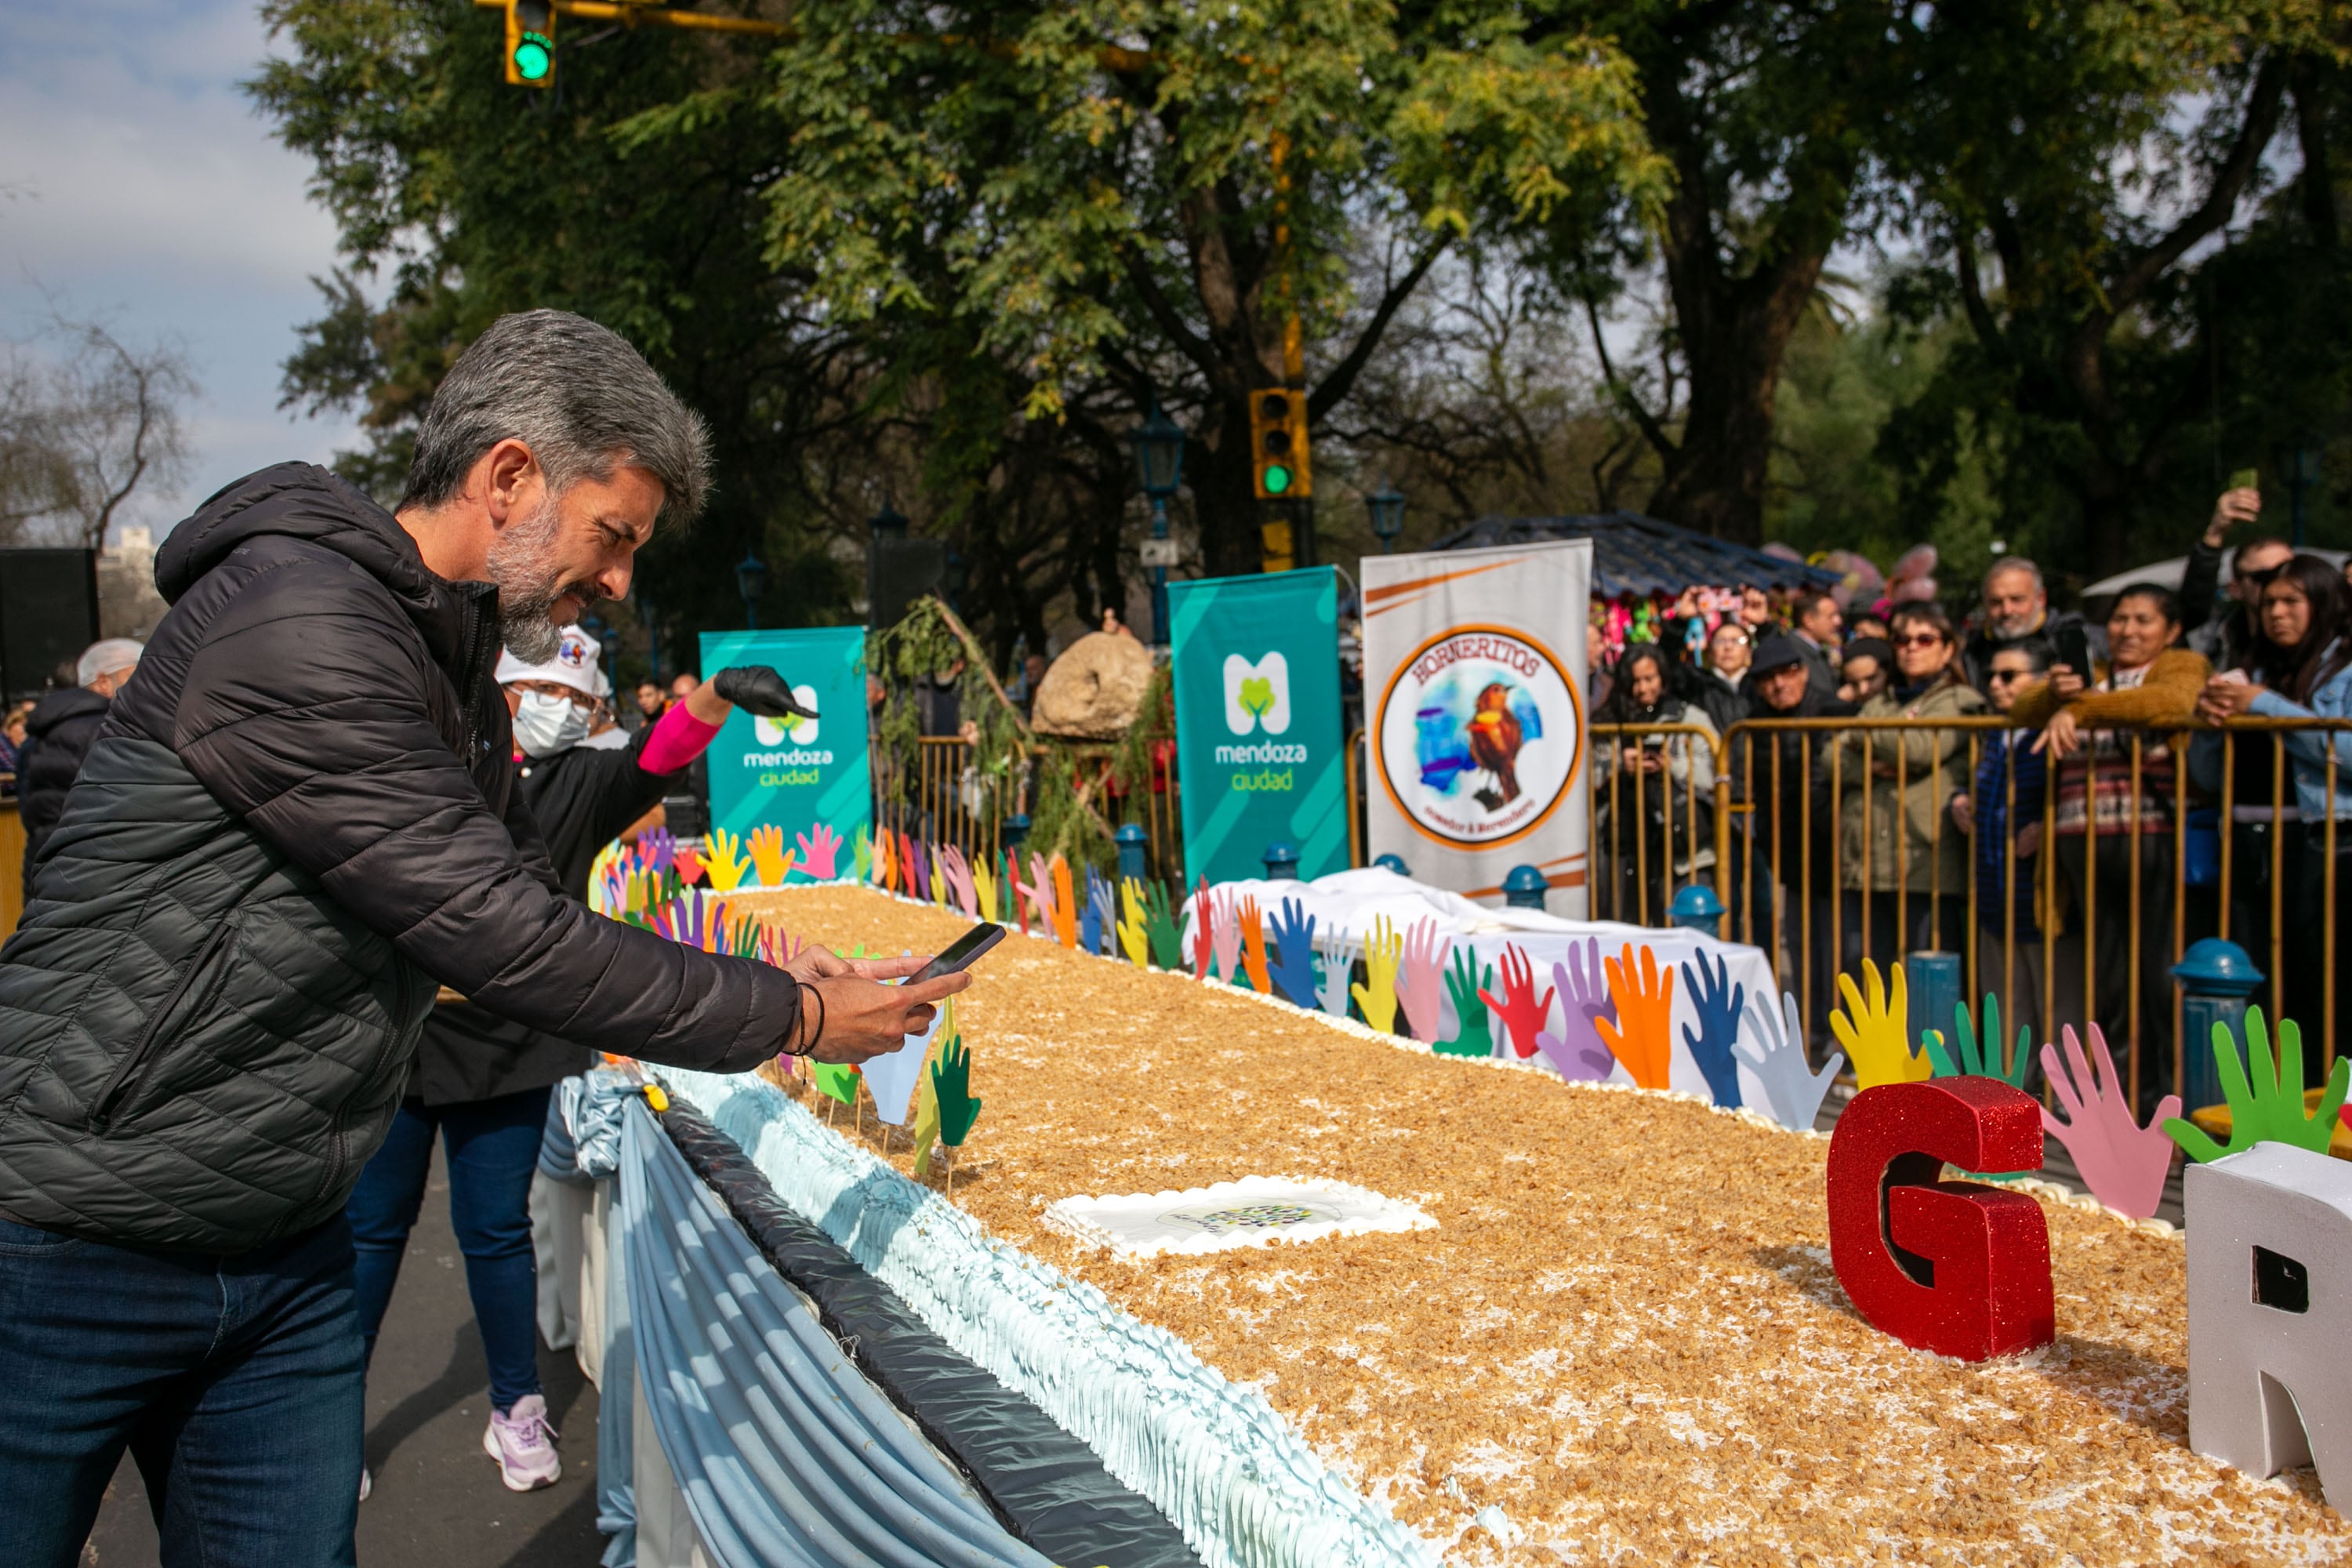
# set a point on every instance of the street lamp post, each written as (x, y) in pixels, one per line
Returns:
(1159, 467)
(1387, 507)
(751, 580)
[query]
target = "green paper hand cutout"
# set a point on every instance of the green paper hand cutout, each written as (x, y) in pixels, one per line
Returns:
(1477, 1036)
(1977, 1061)
(835, 1082)
(1160, 929)
(2269, 1110)
(861, 851)
(952, 1081)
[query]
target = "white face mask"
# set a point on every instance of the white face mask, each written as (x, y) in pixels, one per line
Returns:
(544, 725)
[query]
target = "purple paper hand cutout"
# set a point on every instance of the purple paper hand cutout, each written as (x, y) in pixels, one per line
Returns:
(1421, 980)
(2123, 1162)
(660, 845)
(1577, 1052)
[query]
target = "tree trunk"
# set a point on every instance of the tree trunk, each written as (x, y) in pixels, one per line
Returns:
(1225, 499)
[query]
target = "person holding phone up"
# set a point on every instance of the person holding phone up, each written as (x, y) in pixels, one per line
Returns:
(2222, 624)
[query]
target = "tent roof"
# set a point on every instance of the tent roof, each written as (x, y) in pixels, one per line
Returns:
(1637, 554)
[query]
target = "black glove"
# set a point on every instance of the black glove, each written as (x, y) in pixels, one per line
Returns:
(756, 688)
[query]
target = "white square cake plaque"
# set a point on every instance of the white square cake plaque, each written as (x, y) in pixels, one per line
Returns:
(1255, 1211)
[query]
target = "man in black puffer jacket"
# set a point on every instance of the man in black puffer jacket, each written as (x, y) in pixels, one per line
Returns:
(58, 736)
(296, 822)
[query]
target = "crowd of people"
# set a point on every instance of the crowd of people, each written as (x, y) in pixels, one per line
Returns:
(2046, 764)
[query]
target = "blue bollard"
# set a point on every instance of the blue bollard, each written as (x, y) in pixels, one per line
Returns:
(2216, 977)
(1696, 907)
(1524, 889)
(1934, 981)
(1130, 852)
(1281, 861)
(1393, 863)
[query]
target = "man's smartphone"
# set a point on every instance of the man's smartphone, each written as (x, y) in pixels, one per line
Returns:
(2072, 649)
(2246, 480)
(961, 953)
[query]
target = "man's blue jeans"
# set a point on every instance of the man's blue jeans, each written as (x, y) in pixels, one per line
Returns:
(493, 1147)
(236, 1381)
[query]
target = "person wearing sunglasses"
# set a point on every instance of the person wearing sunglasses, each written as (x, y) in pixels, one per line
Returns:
(2113, 740)
(2220, 621)
(1901, 867)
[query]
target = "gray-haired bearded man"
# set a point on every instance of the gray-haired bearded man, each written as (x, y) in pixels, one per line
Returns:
(298, 822)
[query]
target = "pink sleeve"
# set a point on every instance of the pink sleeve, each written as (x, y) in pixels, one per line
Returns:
(677, 739)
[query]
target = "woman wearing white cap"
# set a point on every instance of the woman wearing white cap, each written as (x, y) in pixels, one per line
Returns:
(481, 1082)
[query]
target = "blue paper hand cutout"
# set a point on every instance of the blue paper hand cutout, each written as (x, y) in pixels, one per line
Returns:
(1100, 921)
(1293, 960)
(1718, 1007)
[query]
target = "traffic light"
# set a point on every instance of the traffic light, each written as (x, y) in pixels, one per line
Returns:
(531, 43)
(1278, 445)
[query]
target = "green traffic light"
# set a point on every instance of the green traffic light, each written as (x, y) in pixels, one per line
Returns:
(1278, 479)
(534, 58)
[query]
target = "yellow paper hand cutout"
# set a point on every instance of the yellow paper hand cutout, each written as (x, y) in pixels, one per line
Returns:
(770, 861)
(1383, 950)
(1133, 941)
(1640, 1038)
(723, 860)
(1876, 1031)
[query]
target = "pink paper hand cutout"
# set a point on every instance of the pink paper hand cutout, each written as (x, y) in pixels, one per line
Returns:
(960, 882)
(1421, 980)
(1577, 1051)
(1225, 934)
(818, 851)
(1039, 892)
(2123, 1162)
(1521, 1014)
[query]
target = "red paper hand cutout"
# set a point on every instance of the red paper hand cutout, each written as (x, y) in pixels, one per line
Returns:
(1949, 1267)
(1522, 1015)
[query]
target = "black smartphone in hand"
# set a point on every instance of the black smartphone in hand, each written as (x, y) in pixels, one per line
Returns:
(961, 953)
(2072, 649)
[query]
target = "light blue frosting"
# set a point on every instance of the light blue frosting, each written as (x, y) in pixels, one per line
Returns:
(1242, 1485)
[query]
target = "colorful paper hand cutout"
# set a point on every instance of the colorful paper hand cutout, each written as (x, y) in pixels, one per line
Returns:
(1776, 1054)
(1472, 1035)
(1133, 927)
(687, 866)
(1719, 1008)
(2123, 1162)
(983, 889)
(1039, 891)
(1642, 1037)
(891, 1078)
(1225, 934)
(660, 847)
(1973, 1060)
(1103, 905)
(1876, 1033)
(861, 854)
(770, 861)
(1205, 943)
(1254, 961)
(960, 881)
(834, 1082)
(1337, 970)
(918, 867)
(818, 851)
(1523, 1016)
(1421, 980)
(1377, 996)
(1293, 964)
(2270, 1109)
(951, 1082)
(1577, 1053)
(1160, 925)
(726, 863)
(1066, 908)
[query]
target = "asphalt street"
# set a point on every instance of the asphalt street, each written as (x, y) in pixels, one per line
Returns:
(438, 1503)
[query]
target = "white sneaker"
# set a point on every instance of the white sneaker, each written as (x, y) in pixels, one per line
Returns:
(523, 1443)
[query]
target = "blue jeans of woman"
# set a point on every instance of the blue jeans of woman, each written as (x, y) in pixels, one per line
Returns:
(233, 1380)
(493, 1147)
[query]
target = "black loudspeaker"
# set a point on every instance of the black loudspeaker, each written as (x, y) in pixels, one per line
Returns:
(897, 572)
(48, 614)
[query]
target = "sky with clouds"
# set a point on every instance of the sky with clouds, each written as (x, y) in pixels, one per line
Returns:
(138, 184)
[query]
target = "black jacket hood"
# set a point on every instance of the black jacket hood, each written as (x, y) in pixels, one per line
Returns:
(58, 707)
(306, 501)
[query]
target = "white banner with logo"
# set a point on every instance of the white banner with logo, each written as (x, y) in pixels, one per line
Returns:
(1474, 716)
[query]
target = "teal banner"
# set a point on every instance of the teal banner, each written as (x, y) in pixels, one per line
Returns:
(1257, 721)
(810, 777)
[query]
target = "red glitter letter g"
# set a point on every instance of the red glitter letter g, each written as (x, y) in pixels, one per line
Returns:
(1949, 1267)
